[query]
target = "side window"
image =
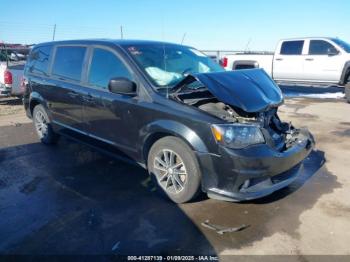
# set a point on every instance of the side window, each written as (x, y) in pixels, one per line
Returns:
(104, 66)
(69, 62)
(292, 48)
(38, 62)
(320, 47)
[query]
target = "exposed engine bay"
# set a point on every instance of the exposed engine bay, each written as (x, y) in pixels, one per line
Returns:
(278, 134)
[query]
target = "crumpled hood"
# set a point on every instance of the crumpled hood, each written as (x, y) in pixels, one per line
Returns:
(251, 90)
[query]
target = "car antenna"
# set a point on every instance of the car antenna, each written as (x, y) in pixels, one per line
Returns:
(247, 45)
(164, 60)
(121, 32)
(164, 55)
(183, 38)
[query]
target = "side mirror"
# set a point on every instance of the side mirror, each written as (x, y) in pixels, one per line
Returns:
(122, 85)
(332, 52)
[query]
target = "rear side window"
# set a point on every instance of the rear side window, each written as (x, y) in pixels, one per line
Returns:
(39, 58)
(104, 66)
(292, 48)
(69, 62)
(320, 47)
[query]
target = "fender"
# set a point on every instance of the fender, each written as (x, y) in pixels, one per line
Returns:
(34, 99)
(172, 128)
(345, 73)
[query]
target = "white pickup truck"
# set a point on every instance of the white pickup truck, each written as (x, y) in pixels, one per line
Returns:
(301, 60)
(12, 63)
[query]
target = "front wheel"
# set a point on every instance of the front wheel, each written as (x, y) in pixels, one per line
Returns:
(175, 167)
(43, 126)
(347, 91)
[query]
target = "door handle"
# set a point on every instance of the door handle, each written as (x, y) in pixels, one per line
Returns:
(279, 59)
(88, 98)
(309, 59)
(73, 94)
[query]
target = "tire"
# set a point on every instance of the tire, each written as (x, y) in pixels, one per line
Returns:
(169, 179)
(347, 92)
(43, 127)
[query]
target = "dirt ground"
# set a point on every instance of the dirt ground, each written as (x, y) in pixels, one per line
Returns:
(12, 112)
(69, 199)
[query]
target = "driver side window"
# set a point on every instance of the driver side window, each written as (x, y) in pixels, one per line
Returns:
(104, 66)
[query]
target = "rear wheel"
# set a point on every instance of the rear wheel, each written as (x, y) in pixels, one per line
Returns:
(174, 165)
(43, 126)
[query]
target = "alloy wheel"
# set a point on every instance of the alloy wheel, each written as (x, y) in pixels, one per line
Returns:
(41, 124)
(170, 171)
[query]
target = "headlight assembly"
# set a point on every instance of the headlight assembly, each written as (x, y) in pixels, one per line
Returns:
(237, 135)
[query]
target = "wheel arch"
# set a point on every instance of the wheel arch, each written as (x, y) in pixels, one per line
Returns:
(345, 74)
(36, 99)
(163, 128)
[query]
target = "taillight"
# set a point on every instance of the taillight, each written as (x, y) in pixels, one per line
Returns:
(8, 78)
(224, 62)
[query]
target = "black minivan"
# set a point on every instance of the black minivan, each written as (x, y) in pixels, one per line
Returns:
(170, 108)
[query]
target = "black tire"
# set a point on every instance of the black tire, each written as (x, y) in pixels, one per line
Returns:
(46, 135)
(347, 92)
(183, 153)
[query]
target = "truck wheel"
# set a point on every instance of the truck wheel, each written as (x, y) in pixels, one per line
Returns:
(174, 166)
(43, 126)
(347, 92)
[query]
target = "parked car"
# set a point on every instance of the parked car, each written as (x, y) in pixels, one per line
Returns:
(11, 71)
(301, 60)
(171, 109)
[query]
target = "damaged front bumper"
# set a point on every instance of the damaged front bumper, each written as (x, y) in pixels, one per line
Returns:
(253, 172)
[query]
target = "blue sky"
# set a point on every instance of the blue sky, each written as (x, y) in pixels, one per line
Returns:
(208, 24)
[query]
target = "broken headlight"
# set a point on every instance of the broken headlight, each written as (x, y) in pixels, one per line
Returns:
(237, 135)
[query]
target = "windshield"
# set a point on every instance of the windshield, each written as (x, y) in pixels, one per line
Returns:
(166, 64)
(344, 45)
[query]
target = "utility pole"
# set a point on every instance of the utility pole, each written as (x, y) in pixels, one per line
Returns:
(54, 32)
(121, 32)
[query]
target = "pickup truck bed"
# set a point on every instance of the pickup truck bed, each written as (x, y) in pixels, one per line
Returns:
(246, 61)
(16, 69)
(301, 60)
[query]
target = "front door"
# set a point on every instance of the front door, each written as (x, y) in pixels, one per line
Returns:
(323, 62)
(109, 115)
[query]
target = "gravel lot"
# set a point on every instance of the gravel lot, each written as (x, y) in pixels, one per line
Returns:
(69, 199)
